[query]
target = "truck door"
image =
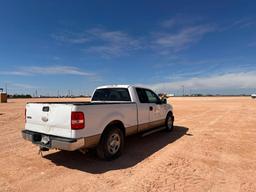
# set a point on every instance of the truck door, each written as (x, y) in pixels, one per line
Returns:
(150, 111)
(156, 109)
(144, 115)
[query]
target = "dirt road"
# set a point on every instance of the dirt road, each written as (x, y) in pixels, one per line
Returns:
(212, 148)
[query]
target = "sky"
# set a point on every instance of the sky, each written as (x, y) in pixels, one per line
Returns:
(57, 45)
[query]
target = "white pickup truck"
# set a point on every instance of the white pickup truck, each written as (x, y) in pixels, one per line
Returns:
(114, 112)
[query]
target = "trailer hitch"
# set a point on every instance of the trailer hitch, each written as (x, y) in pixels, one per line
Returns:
(41, 149)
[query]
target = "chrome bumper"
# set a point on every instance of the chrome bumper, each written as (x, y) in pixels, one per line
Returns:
(54, 141)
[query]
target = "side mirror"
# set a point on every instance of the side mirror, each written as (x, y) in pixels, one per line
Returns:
(164, 101)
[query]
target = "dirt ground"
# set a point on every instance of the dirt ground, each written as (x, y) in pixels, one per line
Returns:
(212, 148)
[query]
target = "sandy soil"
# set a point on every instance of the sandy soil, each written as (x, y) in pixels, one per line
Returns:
(212, 148)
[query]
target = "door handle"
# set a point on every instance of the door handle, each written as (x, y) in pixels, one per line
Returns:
(150, 108)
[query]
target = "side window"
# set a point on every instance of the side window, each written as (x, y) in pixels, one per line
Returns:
(152, 97)
(142, 95)
(147, 96)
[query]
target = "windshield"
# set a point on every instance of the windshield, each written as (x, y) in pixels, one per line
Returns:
(111, 94)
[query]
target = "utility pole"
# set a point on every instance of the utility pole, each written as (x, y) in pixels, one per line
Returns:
(6, 88)
(183, 90)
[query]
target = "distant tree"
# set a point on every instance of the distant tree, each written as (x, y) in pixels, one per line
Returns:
(20, 96)
(197, 95)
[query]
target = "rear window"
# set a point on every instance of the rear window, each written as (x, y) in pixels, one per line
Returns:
(111, 94)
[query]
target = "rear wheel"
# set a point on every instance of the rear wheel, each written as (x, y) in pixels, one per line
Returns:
(111, 144)
(169, 122)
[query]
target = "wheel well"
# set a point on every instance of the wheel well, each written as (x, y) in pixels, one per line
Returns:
(115, 123)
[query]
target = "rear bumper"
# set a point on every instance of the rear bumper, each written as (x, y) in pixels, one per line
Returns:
(54, 141)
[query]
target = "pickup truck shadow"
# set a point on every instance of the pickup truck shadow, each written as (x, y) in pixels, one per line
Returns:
(136, 150)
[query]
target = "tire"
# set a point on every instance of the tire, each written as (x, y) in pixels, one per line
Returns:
(111, 144)
(169, 122)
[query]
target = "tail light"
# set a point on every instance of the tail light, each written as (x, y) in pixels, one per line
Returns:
(77, 120)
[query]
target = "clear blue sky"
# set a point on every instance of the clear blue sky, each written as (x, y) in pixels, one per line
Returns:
(207, 46)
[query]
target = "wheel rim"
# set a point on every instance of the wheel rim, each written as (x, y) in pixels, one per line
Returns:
(114, 142)
(169, 122)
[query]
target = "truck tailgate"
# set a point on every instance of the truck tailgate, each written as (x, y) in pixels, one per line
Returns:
(51, 119)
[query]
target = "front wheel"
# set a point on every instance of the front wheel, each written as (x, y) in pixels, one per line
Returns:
(111, 144)
(169, 122)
